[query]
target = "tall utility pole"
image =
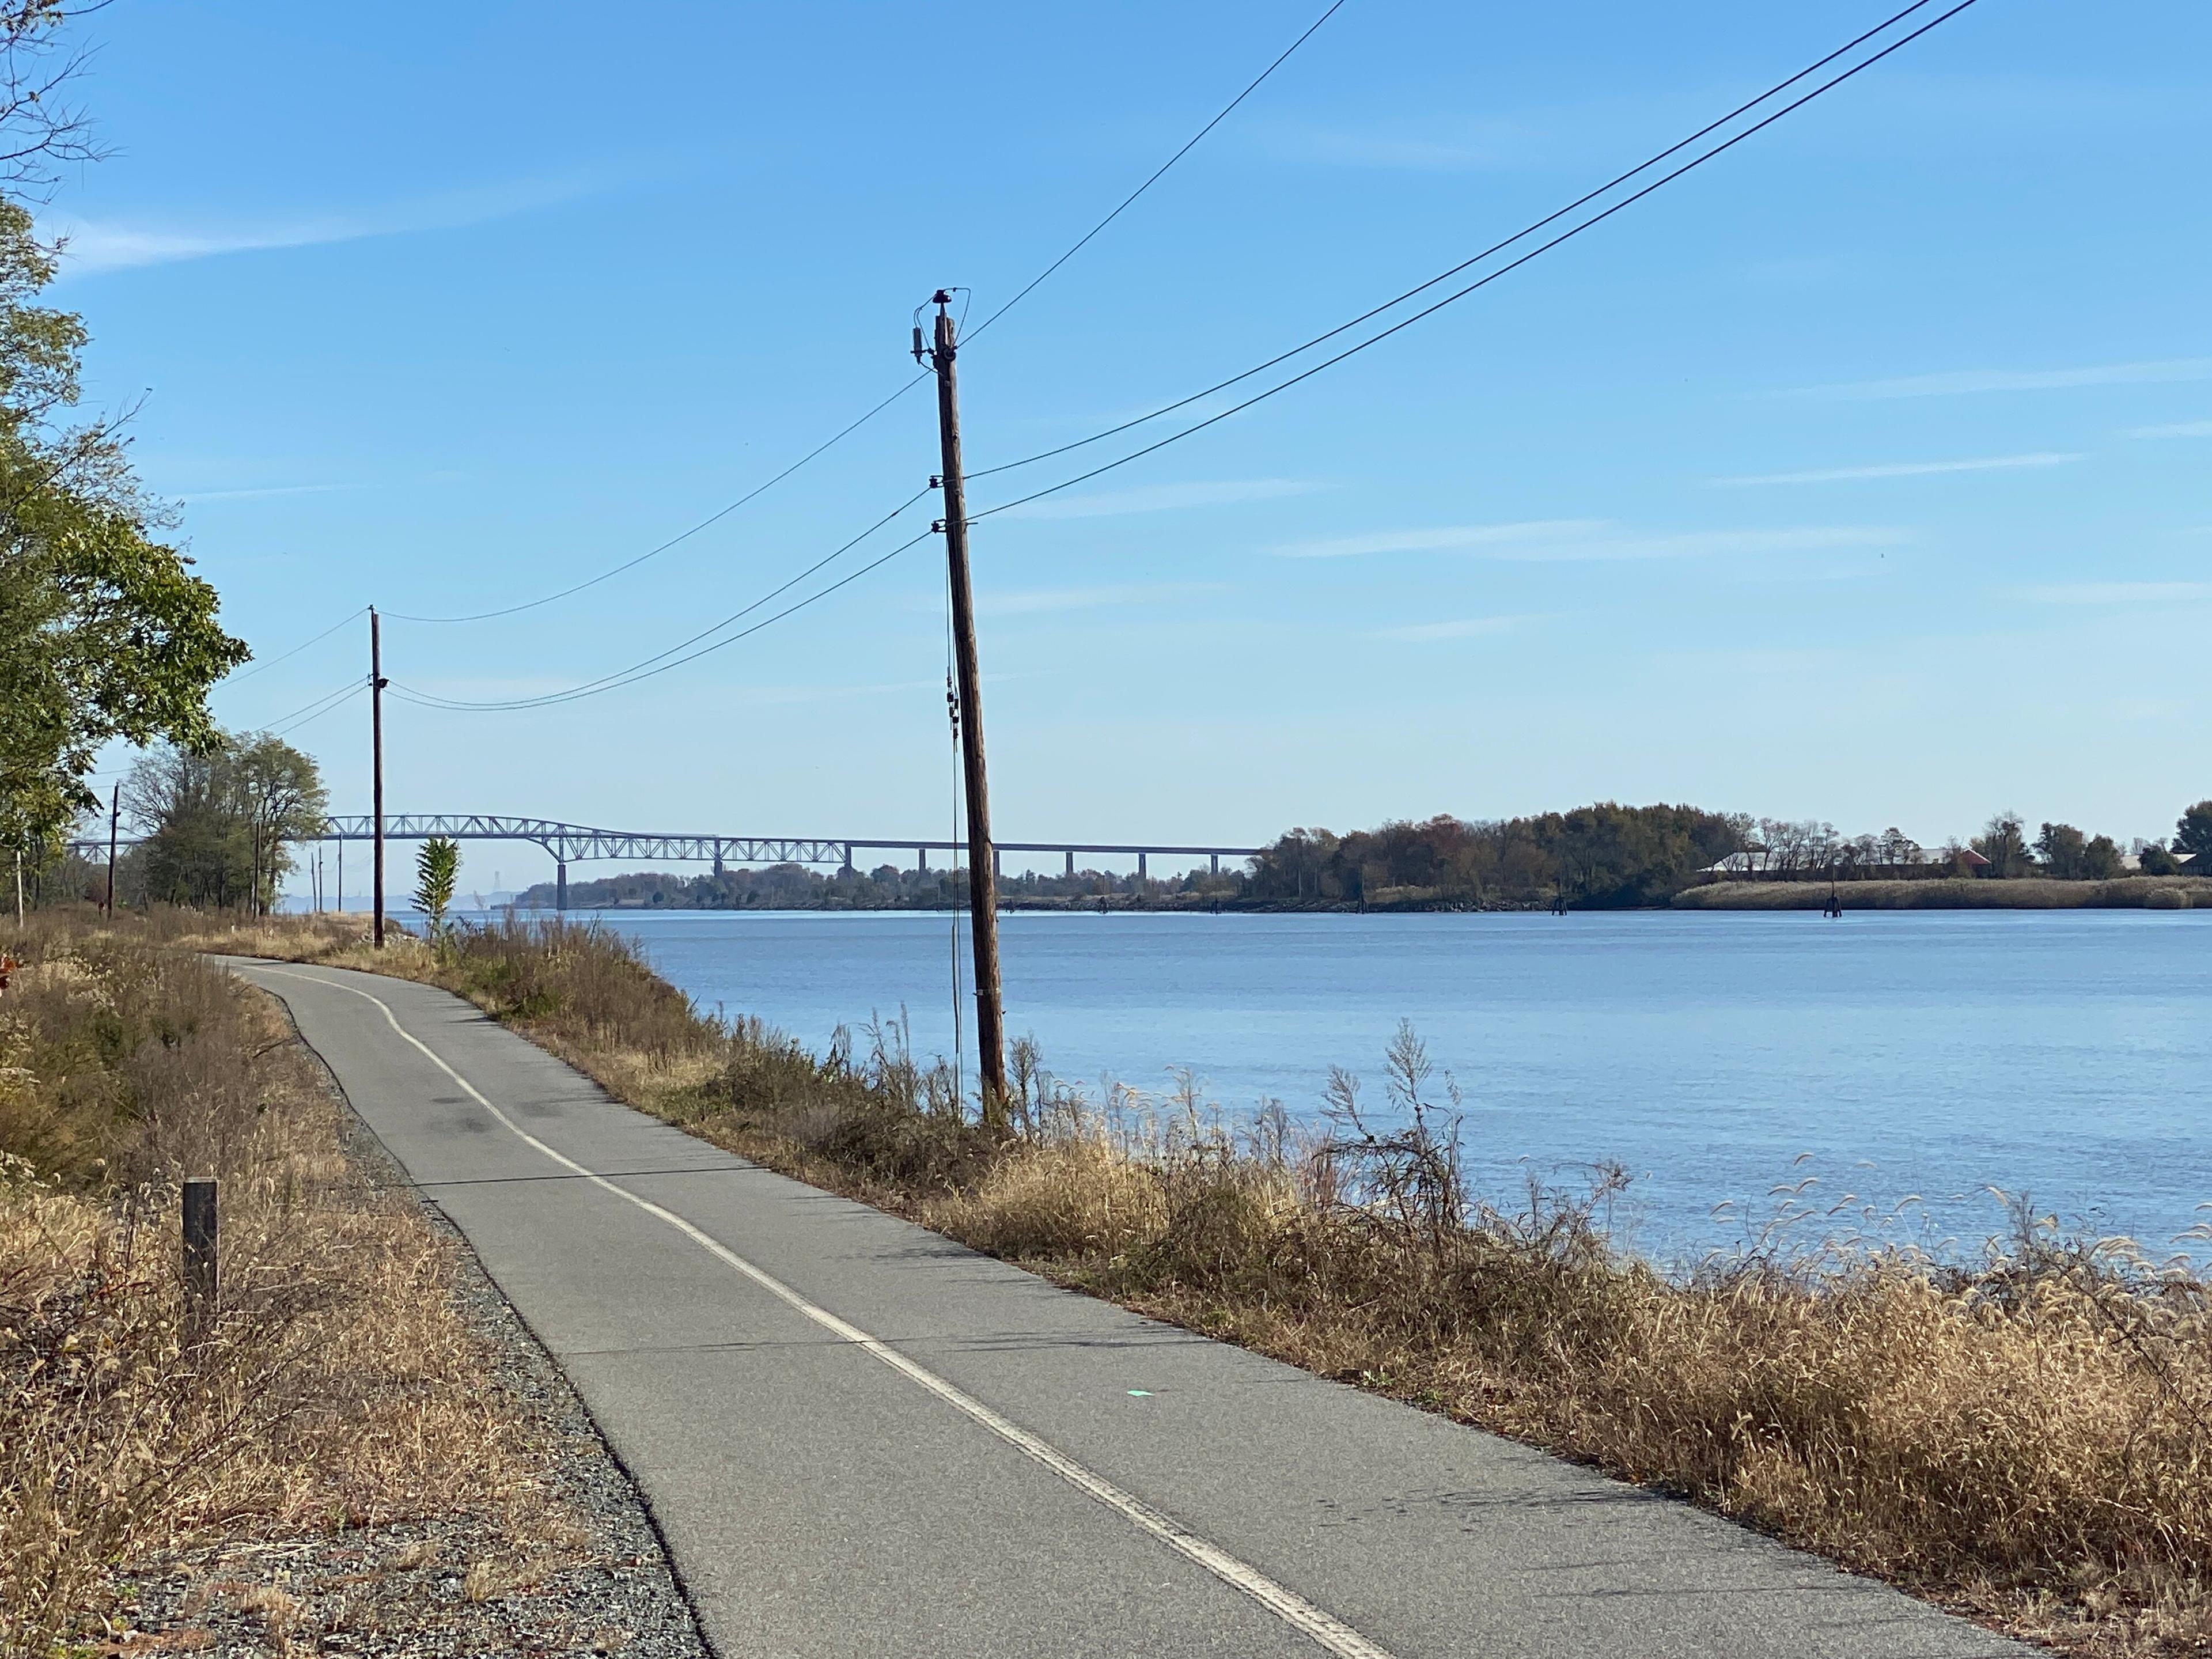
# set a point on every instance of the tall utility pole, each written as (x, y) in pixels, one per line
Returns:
(114, 813)
(982, 864)
(376, 770)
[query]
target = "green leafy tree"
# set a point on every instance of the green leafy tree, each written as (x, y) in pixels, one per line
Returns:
(437, 867)
(2153, 860)
(104, 632)
(1605, 855)
(2061, 847)
(2101, 859)
(2193, 834)
(220, 824)
(2003, 842)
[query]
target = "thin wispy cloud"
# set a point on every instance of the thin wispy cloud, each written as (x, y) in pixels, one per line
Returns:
(2111, 593)
(1087, 598)
(192, 497)
(1567, 539)
(97, 245)
(1904, 470)
(1958, 382)
(1162, 498)
(2174, 429)
(1464, 627)
(1445, 538)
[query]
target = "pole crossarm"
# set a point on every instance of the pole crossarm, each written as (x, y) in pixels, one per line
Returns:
(572, 843)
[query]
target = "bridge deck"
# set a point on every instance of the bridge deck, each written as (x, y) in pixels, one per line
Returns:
(572, 843)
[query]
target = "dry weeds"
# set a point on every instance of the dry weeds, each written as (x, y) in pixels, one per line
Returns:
(2026, 1437)
(336, 1387)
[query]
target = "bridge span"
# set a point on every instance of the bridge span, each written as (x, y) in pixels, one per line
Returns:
(572, 843)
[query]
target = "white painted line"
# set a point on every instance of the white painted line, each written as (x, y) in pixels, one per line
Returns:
(1325, 1629)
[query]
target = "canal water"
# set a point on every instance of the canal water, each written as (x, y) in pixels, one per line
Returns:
(1919, 1058)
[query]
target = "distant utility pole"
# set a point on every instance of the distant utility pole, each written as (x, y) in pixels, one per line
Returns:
(376, 770)
(114, 813)
(983, 886)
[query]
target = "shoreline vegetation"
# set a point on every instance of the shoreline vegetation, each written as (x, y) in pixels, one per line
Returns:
(1601, 857)
(2021, 1436)
(1970, 893)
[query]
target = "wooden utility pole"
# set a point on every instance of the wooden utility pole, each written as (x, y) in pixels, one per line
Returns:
(983, 886)
(114, 813)
(376, 772)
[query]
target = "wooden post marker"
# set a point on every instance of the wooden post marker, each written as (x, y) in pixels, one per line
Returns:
(202, 1275)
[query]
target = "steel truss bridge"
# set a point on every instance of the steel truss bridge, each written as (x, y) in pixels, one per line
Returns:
(574, 843)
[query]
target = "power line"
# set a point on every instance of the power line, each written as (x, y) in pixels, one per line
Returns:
(712, 518)
(234, 679)
(967, 334)
(847, 430)
(1484, 282)
(332, 707)
(1526, 231)
(631, 674)
(307, 711)
(767, 622)
(661, 663)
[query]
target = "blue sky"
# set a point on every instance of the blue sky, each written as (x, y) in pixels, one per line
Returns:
(1861, 475)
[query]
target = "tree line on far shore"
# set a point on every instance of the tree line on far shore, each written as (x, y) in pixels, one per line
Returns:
(222, 825)
(1608, 856)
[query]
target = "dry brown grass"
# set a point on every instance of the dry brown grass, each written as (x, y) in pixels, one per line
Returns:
(2026, 1437)
(335, 1386)
(2037, 893)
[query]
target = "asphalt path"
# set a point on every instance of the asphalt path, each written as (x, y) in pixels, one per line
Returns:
(859, 1437)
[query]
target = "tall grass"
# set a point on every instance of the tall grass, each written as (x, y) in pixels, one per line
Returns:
(1977, 893)
(334, 1385)
(2026, 1435)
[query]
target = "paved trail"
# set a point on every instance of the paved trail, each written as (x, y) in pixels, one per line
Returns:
(860, 1438)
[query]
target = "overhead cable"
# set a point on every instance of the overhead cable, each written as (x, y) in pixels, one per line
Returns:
(711, 519)
(1190, 145)
(331, 708)
(233, 679)
(572, 695)
(846, 431)
(631, 674)
(307, 711)
(1522, 234)
(1484, 282)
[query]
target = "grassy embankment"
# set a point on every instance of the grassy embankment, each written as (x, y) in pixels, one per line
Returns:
(336, 1388)
(2027, 1437)
(2036, 893)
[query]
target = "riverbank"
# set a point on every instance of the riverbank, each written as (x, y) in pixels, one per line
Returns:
(1966, 893)
(360, 1449)
(2016, 1435)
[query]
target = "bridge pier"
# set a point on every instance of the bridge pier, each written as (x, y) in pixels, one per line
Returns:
(998, 864)
(922, 860)
(1217, 864)
(848, 857)
(1071, 861)
(560, 884)
(1140, 866)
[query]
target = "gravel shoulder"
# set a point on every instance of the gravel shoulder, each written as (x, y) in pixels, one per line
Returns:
(573, 1567)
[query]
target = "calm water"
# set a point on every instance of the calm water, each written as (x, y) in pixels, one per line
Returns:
(1935, 1053)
